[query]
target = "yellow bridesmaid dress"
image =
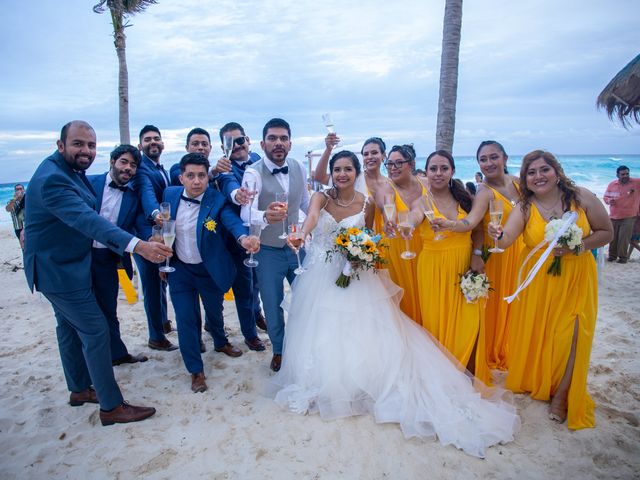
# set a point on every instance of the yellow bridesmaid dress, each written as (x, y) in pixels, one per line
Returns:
(446, 314)
(543, 319)
(405, 272)
(502, 271)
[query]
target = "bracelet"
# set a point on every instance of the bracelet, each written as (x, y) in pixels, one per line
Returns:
(477, 252)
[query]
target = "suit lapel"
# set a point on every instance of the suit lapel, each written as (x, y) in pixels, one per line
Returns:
(99, 189)
(126, 205)
(206, 205)
(80, 180)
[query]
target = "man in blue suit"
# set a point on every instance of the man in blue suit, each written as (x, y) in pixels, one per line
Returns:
(117, 202)
(150, 182)
(61, 223)
(203, 266)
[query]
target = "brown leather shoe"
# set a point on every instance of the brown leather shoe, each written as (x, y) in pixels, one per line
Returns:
(125, 413)
(166, 326)
(80, 398)
(230, 350)
(128, 358)
(276, 361)
(198, 385)
(261, 323)
(203, 347)
(164, 345)
(255, 344)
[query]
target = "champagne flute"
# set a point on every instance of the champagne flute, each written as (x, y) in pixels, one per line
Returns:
(429, 209)
(250, 187)
(165, 211)
(406, 231)
(389, 207)
(295, 239)
(156, 234)
(328, 122)
(227, 145)
(168, 235)
(283, 198)
(496, 209)
(254, 231)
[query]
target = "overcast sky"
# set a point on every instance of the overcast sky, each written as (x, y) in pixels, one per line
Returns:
(530, 72)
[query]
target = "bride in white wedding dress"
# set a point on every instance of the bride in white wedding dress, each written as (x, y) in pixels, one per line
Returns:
(351, 351)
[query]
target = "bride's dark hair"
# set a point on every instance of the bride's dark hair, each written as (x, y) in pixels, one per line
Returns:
(345, 154)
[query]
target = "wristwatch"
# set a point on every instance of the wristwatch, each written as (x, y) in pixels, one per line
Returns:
(477, 252)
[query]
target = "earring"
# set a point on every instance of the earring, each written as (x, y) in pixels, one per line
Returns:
(451, 183)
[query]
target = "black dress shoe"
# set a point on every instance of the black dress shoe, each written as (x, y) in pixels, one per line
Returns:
(166, 326)
(164, 345)
(128, 358)
(255, 344)
(276, 361)
(125, 413)
(80, 398)
(260, 322)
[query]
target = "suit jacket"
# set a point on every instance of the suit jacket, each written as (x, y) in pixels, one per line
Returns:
(128, 211)
(215, 256)
(149, 183)
(61, 224)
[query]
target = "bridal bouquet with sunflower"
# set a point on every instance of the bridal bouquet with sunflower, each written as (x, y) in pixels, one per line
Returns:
(363, 250)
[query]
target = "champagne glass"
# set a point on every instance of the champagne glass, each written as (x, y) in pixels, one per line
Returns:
(168, 235)
(156, 234)
(165, 211)
(429, 209)
(496, 208)
(328, 122)
(295, 239)
(389, 207)
(250, 187)
(254, 231)
(227, 145)
(406, 231)
(283, 198)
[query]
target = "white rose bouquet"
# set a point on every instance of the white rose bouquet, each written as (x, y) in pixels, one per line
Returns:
(474, 285)
(571, 239)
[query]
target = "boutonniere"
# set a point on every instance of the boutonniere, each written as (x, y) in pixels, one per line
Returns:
(210, 224)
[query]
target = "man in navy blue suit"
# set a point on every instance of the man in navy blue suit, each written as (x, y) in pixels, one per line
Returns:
(150, 182)
(203, 266)
(61, 223)
(116, 201)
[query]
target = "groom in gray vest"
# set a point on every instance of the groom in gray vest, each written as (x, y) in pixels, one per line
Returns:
(276, 174)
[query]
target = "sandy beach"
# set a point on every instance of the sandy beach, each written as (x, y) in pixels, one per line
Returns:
(233, 432)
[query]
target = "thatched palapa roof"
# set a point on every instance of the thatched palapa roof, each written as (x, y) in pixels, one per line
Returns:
(621, 97)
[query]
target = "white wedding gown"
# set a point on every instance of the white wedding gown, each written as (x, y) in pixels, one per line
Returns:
(350, 351)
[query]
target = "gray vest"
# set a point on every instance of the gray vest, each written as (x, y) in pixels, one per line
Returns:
(271, 186)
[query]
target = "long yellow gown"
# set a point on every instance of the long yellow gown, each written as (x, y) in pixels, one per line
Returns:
(455, 323)
(502, 271)
(544, 316)
(405, 272)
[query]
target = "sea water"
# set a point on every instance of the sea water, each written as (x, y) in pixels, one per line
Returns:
(590, 171)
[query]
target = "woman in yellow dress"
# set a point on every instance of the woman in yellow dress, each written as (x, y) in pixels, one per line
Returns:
(445, 313)
(403, 190)
(554, 318)
(501, 267)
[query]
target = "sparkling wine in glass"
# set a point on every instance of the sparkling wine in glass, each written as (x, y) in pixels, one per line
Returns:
(429, 209)
(282, 198)
(389, 208)
(496, 209)
(250, 187)
(405, 227)
(168, 236)
(227, 145)
(254, 231)
(295, 239)
(165, 211)
(328, 123)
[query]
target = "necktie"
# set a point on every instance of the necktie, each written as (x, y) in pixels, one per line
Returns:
(284, 170)
(190, 200)
(122, 188)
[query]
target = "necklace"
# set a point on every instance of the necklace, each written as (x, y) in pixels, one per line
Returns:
(550, 211)
(504, 194)
(345, 205)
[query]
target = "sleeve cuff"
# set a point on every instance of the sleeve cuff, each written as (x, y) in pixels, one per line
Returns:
(132, 245)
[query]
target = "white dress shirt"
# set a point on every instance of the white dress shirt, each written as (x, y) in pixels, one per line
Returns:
(186, 245)
(110, 209)
(257, 216)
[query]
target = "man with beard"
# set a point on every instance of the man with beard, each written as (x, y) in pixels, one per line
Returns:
(623, 197)
(151, 180)
(198, 141)
(117, 202)
(275, 174)
(61, 223)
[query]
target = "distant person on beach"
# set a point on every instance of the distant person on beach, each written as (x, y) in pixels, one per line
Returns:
(471, 189)
(151, 180)
(118, 202)
(635, 238)
(61, 224)
(478, 179)
(15, 207)
(623, 197)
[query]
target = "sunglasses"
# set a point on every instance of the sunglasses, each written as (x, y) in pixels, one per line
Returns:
(239, 140)
(397, 164)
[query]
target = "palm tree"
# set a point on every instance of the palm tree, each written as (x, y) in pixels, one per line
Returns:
(446, 124)
(120, 11)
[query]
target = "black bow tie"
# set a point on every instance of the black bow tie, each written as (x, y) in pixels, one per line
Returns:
(284, 170)
(159, 166)
(122, 188)
(190, 200)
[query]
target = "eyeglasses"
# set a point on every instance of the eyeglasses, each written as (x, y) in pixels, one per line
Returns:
(397, 164)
